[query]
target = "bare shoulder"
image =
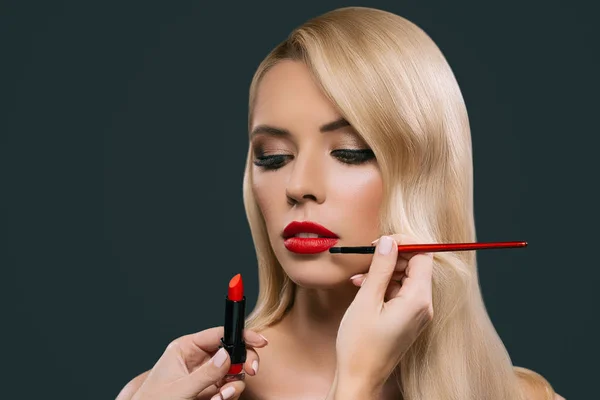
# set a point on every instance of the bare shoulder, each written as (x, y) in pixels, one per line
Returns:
(132, 386)
(535, 386)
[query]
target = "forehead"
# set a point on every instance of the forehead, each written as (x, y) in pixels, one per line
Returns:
(288, 94)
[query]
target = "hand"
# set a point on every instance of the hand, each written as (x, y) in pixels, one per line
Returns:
(386, 316)
(186, 370)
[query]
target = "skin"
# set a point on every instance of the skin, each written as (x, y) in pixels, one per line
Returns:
(311, 183)
(188, 369)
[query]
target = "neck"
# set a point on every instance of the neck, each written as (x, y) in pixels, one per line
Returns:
(315, 317)
(312, 325)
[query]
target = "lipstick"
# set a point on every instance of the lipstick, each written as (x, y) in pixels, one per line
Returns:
(308, 237)
(233, 336)
(430, 248)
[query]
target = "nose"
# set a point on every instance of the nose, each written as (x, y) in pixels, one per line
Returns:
(306, 182)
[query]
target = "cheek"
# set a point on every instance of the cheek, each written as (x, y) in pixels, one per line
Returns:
(360, 195)
(267, 192)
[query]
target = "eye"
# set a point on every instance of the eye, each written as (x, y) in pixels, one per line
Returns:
(272, 162)
(348, 156)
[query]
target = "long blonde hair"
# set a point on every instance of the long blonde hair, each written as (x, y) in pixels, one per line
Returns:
(392, 83)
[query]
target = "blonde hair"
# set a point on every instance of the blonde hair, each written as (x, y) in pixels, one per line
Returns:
(393, 84)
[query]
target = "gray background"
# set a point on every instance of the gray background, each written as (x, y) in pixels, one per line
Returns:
(124, 141)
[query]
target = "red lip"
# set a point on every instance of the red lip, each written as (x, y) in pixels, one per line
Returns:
(301, 245)
(295, 227)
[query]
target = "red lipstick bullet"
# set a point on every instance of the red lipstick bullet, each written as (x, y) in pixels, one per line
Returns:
(236, 288)
(233, 336)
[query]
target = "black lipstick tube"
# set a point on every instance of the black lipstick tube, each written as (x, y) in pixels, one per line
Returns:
(233, 338)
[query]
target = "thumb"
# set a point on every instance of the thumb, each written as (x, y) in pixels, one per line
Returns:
(381, 269)
(170, 366)
(208, 374)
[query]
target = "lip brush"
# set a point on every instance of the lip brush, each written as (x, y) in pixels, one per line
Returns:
(430, 248)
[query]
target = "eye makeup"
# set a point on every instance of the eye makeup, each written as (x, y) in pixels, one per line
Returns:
(271, 154)
(344, 156)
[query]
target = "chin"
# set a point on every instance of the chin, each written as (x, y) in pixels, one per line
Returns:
(316, 278)
(320, 271)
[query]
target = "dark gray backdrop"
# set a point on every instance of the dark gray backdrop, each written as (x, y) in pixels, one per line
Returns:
(124, 141)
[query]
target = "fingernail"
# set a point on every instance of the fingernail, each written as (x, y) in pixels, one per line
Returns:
(255, 366)
(385, 245)
(375, 241)
(228, 392)
(220, 358)
(266, 340)
(356, 276)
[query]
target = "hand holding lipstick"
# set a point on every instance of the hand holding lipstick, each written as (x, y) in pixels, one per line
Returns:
(383, 321)
(192, 365)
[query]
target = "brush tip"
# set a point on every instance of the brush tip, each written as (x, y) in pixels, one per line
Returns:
(335, 250)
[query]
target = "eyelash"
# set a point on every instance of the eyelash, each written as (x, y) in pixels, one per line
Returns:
(351, 157)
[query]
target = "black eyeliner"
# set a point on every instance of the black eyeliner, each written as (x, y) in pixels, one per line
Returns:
(345, 156)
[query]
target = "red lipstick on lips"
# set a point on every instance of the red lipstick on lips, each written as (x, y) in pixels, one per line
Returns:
(324, 240)
(233, 336)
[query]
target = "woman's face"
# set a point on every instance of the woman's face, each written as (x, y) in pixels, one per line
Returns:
(309, 166)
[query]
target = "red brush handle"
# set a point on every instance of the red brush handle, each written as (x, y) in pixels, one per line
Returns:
(428, 248)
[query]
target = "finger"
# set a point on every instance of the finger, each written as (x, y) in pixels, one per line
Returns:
(381, 270)
(198, 347)
(358, 280)
(401, 264)
(417, 284)
(420, 269)
(170, 366)
(208, 374)
(393, 289)
(252, 362)
(401, 239)
(416, 288)
(207, 393)
(207, 340)
(255, 339)
(230, 391)
(405, 239)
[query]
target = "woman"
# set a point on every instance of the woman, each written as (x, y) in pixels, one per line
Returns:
(357, 123)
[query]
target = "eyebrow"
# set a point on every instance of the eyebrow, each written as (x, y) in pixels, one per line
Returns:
(272, 130)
